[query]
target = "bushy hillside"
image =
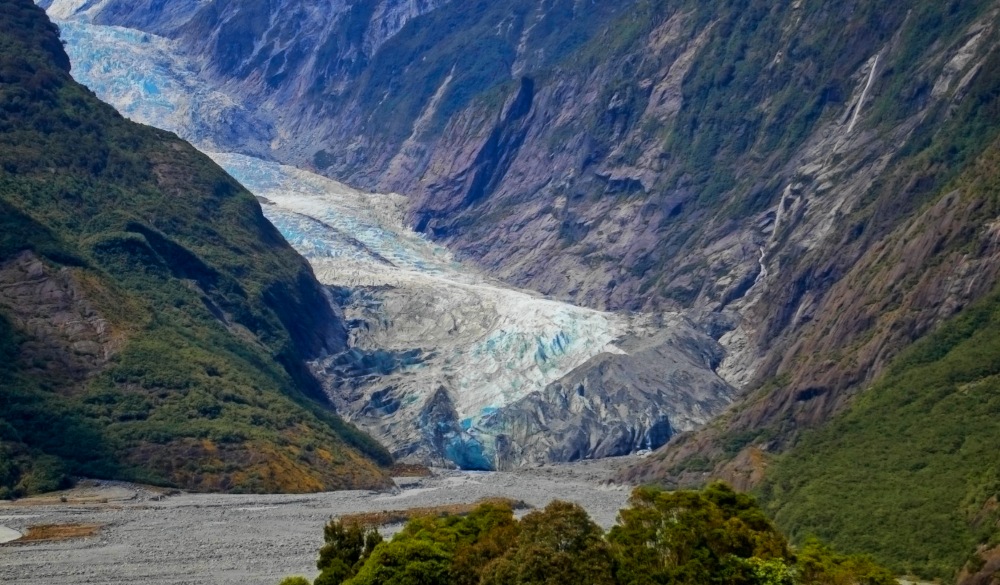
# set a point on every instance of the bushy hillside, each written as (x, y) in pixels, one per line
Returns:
(911, 469)
(910, 472)
(153, 325)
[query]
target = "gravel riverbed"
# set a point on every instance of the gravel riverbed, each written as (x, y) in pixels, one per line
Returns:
(152, 538)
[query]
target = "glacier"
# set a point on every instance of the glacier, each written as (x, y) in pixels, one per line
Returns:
(489, 345)
(146, 78)
(446, 364)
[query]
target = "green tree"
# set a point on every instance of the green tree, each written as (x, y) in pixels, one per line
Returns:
(346, 548)
(559, 545)
(818, 564)
(406, 561)
(450, 550)
(693, 537)
(496, 533)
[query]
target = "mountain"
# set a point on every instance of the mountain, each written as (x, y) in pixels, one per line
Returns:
(735, 160)
(812, 184)
(153, 325)
(445, 365)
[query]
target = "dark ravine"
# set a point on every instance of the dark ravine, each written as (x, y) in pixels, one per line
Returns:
(154, 326)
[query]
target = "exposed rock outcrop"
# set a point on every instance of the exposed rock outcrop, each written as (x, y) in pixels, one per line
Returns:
(68, 335)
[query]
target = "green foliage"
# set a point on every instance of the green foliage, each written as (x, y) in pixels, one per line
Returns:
(714, 536)
(296, 580)
(346, 548)
(449, 549)
(907, 472)
(680, 537)
(818, 564)
(406, 562)
(203, 384)
(770, 571)
(559, 545)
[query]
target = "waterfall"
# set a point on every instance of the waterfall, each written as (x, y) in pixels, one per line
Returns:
(864, 94)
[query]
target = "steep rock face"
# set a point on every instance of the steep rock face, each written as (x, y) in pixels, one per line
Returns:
(149, 314)
(67, 333)
(912, 250)
(988, 573)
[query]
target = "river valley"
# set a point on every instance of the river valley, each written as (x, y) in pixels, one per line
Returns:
(146, 536)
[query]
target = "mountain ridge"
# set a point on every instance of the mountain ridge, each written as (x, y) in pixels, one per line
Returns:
(152, 318)
(601, 173)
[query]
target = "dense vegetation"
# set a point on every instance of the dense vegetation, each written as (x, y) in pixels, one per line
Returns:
(685, 538)
(910, 473)
(168, 341)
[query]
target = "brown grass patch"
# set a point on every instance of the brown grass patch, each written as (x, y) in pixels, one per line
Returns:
(59, 532)
(55, 500)
(386, 517)
(409, 470)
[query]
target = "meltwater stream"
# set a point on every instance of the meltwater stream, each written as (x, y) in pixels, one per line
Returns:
(446, 365)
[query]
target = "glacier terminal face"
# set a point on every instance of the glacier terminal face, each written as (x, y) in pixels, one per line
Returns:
(446, 365)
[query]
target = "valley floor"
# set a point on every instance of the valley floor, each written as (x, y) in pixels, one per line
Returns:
(152, 538)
